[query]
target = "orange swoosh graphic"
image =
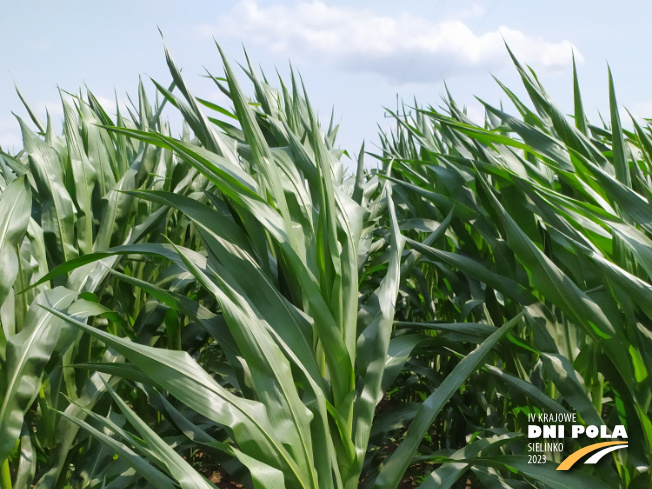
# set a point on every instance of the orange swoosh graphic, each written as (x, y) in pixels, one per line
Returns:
(575, 456)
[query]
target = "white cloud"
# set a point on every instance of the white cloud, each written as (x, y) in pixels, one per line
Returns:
(403, 48)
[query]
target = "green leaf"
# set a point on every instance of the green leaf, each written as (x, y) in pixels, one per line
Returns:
(27, 354)
(15, 210)
(144, 469)
(182, 377)
(392, 471)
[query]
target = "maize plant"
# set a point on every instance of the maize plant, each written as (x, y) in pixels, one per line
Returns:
(228, 306)
(546, 214)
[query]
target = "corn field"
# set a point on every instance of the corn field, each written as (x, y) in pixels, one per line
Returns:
(228, 307)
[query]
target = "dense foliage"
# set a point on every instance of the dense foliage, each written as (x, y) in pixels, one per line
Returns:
(227, 307)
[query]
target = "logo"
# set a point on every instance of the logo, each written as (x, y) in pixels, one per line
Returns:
(602, 449)
(554, 428)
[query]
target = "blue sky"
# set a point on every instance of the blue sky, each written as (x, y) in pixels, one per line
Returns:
(353, 56)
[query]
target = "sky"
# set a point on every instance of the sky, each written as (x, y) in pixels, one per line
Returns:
(355, 57)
